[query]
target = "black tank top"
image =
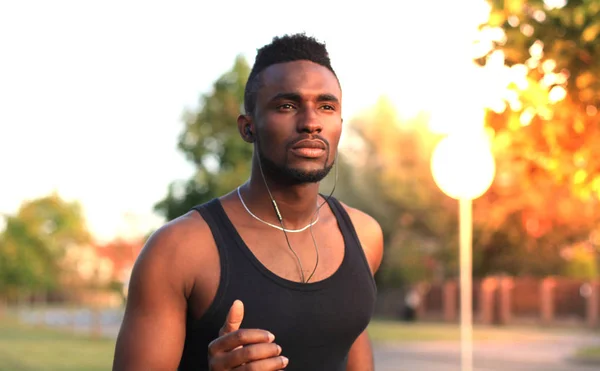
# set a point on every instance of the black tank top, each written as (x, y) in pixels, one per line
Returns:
(315, 324)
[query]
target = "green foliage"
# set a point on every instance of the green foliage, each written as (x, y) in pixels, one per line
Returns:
(35, 240)
(582, 262)
(211, 141)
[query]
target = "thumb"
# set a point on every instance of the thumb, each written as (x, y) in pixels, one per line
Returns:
(234, 318)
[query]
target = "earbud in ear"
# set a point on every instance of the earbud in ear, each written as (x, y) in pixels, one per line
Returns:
(249, 134)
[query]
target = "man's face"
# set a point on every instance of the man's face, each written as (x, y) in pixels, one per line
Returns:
(298, 121)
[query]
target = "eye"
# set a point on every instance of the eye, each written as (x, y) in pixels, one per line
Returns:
(328, 107)
(286, 107)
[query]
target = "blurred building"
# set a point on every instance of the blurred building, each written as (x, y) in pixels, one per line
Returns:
(99, 273)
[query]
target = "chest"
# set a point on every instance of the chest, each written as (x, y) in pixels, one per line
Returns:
(314, 323)
(312, 319)
(318, 253)
(314, 326)
(333, 309)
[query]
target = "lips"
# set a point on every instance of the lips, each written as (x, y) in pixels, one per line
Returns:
(310, 144)
(309, 148)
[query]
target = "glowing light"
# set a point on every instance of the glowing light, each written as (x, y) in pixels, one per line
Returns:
(549, 79)
(518, 74)
(548, 65)
(557, 94)
(516, 105)
(537, 49)
(527, 116)
(527, 29)
(463, 165)
(580, 176)
(552, 4)
(539, 15)
(532, 63)
(513, 20)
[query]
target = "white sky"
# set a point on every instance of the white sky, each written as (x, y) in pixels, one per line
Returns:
(92, 92)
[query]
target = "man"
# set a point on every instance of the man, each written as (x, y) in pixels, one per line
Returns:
(272, 275)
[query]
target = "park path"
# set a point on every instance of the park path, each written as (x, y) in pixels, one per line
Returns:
(553, 353)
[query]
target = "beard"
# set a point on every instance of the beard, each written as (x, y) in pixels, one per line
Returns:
(290, 175)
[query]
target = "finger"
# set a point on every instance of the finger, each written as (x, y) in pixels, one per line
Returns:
(232, 340)
(249, 354)
(269, 364)
(234, 318)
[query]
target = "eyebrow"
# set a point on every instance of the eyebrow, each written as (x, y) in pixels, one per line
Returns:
(296, 97)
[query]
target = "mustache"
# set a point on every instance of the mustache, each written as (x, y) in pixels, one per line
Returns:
(307, 137)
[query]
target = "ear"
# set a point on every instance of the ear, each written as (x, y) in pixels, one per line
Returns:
(246, 128)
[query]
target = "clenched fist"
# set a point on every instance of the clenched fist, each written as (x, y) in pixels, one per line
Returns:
(245, 349)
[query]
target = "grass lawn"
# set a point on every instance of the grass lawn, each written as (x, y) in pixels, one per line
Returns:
(27, 348)
(394, 331)
(37, 349)
(589, 354)
(42, 349)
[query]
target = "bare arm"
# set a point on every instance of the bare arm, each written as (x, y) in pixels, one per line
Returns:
(370, 235)
(153, 329)
(360, 357)
(152, 335)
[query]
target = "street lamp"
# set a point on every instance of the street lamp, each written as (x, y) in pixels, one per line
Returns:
(463, 167)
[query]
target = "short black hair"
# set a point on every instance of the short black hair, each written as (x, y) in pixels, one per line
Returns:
(287, 48)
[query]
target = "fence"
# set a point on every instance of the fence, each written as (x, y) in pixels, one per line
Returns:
(506, 300)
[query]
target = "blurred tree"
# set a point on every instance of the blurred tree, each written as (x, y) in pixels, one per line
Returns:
(547, 131)
(582, 262)
(210, 139)
(35, 240)
(384, 171)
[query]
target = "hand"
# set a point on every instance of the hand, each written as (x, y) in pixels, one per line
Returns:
(245, 349)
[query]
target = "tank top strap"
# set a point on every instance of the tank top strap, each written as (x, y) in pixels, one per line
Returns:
(349, 233)
(220, 229)
(212, 214)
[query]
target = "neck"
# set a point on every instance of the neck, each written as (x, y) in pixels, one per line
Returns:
(296, 203)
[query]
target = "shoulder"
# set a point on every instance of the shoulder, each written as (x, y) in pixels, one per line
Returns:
(369, 233)
(178, 232)
(177, 250)
(177, 237)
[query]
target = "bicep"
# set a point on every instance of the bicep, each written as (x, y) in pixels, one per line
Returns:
(360, 357)
(153, 329)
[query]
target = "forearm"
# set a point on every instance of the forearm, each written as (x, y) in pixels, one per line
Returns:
(360, 357)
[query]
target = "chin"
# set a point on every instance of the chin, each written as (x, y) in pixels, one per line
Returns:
(306, 175)
(296, 172)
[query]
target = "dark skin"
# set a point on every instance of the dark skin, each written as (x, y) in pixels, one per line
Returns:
(296, 99)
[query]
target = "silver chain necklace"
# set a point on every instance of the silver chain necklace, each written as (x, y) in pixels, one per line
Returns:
(273, 225)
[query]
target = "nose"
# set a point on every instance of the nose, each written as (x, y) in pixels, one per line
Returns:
(309, 121)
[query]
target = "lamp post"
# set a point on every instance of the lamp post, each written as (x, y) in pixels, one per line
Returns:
(463, 167)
